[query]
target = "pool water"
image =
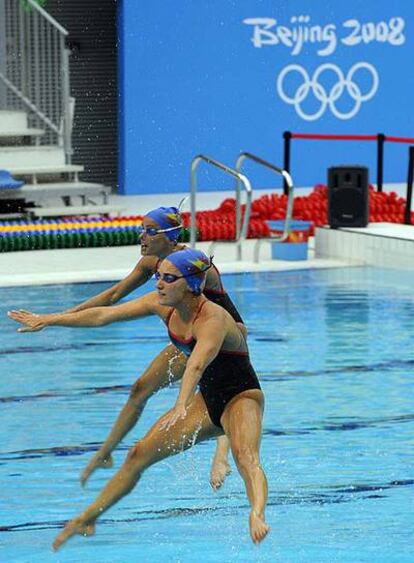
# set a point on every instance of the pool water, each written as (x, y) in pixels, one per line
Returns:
(334, 350)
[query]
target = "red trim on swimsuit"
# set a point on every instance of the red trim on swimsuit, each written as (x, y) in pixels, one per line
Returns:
(191, 341)
(179, 338)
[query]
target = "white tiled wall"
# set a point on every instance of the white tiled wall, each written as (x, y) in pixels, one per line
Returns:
(365, 248)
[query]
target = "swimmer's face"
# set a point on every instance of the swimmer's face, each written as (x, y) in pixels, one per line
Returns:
(171, 286)
(154, 244)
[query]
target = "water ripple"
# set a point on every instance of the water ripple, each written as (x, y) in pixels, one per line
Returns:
(263, 376)
(342, 426)
(72, 393)
(55, 451)
(368, 368)
(346, 426)
(335, 494)
(82, 345)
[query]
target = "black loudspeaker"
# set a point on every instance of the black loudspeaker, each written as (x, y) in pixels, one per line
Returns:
(348, 196)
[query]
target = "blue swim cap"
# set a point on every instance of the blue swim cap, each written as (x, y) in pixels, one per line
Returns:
(192, 264)
(167, 218)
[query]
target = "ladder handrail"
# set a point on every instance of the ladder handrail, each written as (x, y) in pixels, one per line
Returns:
(290, 187)
(286, 176)
(227, 170)
(48, 17)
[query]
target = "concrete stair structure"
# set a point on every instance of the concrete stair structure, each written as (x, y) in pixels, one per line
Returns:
(41, 192)
(19, 155)
(33, 173)
(49, 180)
(96, 209)
(21, 133)
(12, 119)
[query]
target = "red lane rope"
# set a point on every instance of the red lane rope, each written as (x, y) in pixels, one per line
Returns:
(399, 139)
(336, 137)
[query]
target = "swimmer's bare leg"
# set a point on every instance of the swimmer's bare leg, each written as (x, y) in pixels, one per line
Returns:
(220, 467)
(242, 421)
(166, 368)
(158, 444)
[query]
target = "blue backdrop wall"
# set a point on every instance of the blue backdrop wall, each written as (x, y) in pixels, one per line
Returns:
(222, 76)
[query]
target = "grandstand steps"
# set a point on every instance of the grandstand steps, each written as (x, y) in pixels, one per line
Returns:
(12, 119)
(62, 211)
(18, 155)
(40, 192)
(46, 174)
(20, 133)
(31, 174)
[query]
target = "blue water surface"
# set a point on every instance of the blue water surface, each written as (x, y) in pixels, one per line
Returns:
(334, 350)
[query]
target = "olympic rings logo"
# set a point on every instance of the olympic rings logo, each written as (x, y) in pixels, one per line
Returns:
(327, 97)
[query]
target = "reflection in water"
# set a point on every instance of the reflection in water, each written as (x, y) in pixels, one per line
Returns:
(347, 317)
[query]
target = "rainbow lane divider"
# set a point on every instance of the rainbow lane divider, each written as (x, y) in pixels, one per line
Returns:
(218, 224)
(72, 232)
(75, 232)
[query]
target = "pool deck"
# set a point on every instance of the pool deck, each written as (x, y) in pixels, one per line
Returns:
(44, 267)
(387, 245)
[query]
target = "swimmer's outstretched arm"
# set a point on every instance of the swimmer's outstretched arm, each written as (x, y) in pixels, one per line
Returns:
(142, 272)
(210, 335)
(96, 316)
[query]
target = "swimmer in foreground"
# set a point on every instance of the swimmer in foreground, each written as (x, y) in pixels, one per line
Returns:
(229, 400)
(161, 229)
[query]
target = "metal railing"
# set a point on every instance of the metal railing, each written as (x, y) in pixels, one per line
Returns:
(34, 72)
(288, 183)
(242, 232)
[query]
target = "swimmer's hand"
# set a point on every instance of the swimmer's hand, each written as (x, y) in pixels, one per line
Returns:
(177, 413)
(31, 321)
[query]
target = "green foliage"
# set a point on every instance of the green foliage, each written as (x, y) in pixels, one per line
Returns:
(28, 7)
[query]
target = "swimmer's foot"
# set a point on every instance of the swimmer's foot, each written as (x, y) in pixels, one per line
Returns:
(76, 526)
(97, 462)
(219, 471)
(258, 527)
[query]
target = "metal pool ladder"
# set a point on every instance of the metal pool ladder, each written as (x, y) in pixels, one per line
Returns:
(240, 178)
(290, 192)
(241, 227)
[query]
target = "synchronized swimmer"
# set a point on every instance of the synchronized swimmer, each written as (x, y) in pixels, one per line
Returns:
(161, 230)
(229, 401)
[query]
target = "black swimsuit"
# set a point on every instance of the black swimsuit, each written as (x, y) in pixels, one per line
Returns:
(222, 298)
(229, 374)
